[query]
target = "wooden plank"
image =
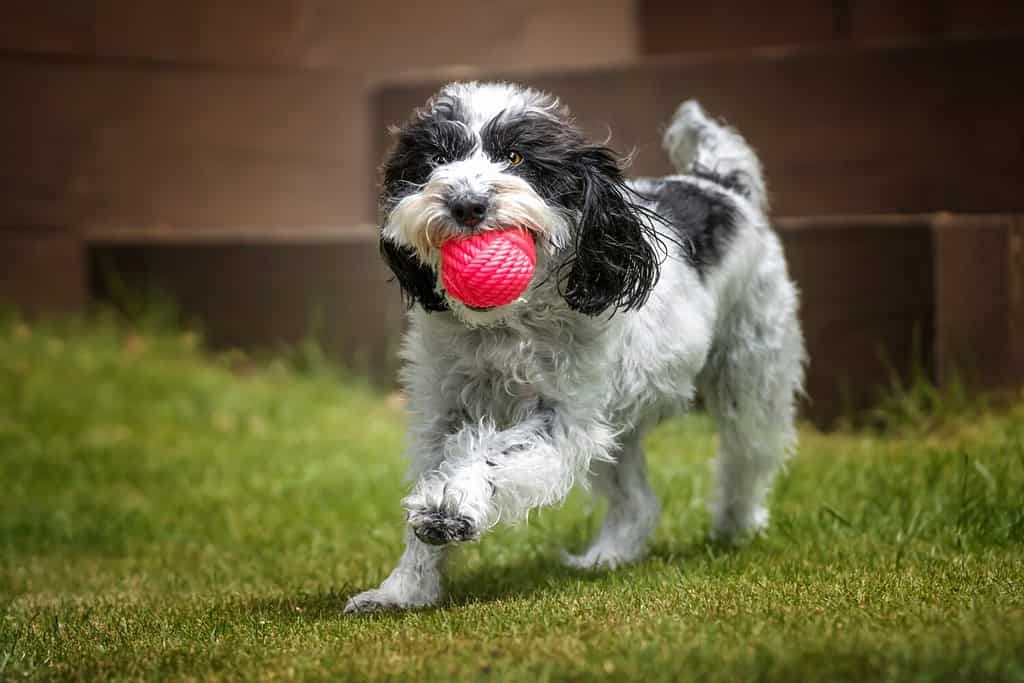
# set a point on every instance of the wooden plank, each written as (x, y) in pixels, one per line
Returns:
(668, 27)
(990, 17)
(887, 129)
(979, 300)
(212, 33)
(1016, 312)
(42, 271)
(263, 294)
(355, 35)
(143, 145)
(55, 27)
(872, 19)
(184, 32)
(379, 38)
(280, 234)
(884, 19)
(866, 286)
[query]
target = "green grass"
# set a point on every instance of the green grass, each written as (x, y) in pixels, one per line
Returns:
(165, 513)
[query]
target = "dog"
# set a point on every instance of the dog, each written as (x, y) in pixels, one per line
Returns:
(646, 292)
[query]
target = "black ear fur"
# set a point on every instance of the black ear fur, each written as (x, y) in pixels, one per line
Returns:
(615, 264)
(416, 279)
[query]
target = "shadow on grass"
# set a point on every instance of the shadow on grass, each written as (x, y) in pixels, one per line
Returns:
(485, 583)
(547, 574)
(494, 584)
(703, 548)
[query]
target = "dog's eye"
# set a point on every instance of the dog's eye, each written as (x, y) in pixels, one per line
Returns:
(514, 157)
(440, 159)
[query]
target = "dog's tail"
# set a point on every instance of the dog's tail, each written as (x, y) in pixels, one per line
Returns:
(701, 146)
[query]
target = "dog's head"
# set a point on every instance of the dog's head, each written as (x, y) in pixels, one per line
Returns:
(490, 156)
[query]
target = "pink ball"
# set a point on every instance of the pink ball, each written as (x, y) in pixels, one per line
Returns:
(490, 268)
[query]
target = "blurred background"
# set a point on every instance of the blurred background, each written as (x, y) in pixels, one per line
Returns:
(225, 153)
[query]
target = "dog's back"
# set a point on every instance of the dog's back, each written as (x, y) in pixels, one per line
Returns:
(714, 213)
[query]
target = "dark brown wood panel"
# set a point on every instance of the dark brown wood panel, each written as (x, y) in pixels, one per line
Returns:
(866, 288)
(42, 271)
(266, 294)
(979, 299)
(1016, 286)
(188, 31)
(147, 146)
(984, 16)
(886, 19)
(355, 35)
(669, 27)
(907, 128)
(54, 27)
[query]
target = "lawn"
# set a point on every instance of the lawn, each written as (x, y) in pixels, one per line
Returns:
(171, 513)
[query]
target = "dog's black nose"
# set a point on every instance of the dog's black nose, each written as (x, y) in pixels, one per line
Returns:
(468, 210)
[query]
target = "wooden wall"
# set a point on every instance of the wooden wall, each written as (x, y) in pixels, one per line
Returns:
(199, 115)
(220, 149)
(862, 144)
(883, 129)
(269, 293)
(979, 294)
(226, 151)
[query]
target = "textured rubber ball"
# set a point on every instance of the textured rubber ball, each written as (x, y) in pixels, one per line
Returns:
(490, 268)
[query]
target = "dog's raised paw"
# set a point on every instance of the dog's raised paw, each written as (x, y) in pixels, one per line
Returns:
(435, 528)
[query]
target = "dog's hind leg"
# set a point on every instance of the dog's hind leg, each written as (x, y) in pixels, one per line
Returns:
(632, 510)
(750, 384)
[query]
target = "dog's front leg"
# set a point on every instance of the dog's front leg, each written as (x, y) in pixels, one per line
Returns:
(473, 477)
(415, 582)
(489, 474)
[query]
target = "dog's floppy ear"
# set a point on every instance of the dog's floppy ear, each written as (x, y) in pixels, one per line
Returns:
(615, 264)
(417, 280)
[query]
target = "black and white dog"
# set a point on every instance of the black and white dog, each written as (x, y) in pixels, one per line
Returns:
(646, 292)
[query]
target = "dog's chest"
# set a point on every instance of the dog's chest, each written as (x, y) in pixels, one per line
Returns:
(502, 371)
(503, 375)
